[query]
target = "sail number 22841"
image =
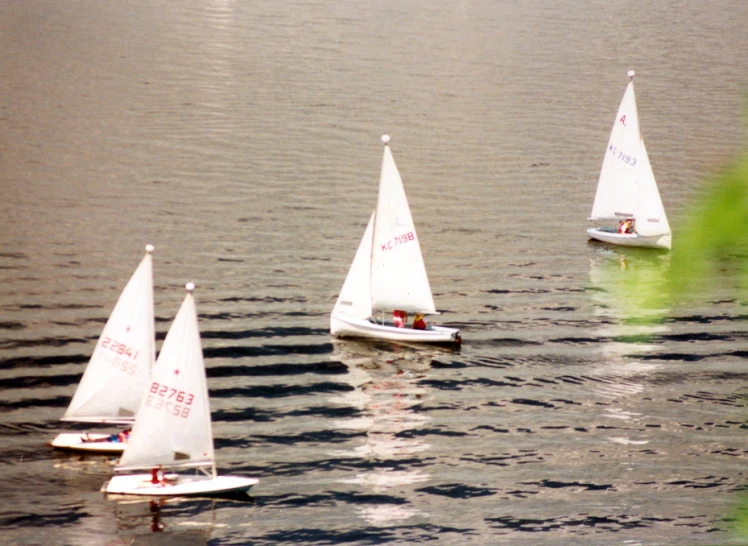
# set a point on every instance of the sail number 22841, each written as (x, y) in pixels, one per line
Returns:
(170, 400)
(398, 240)
(622, 155)
(121, 356)
(119, 348)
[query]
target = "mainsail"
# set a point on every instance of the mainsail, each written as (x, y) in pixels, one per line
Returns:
(398, 274)
(617, 189)
(173, 425)
(627, 185)
(117, 374)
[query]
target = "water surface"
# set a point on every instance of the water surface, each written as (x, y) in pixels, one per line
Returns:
(242, 140)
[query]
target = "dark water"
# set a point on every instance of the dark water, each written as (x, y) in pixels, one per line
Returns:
(242, 140)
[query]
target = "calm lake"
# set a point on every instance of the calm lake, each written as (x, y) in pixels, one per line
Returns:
(242, 140)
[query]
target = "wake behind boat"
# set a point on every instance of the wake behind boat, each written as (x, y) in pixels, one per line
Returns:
(388, 275)
(627, 192)
(117, 374)
(172, 436)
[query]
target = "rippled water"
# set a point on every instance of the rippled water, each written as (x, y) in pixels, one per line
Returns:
(242, 140)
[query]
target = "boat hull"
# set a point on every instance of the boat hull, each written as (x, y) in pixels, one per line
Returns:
(87, 443)
(177, 485)
(612, 237)
(341, 326)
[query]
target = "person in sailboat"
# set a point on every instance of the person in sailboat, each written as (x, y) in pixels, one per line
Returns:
(119, 438)
(158, 477)
(418, 322)
(626, 226)
(399, 318)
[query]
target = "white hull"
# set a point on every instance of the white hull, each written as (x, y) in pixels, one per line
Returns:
(179, 486)
(341, 326)
(630, 239)
(87, 443)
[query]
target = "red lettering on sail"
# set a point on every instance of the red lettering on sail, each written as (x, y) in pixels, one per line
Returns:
(165, 391)
(398, 240)
(623, 120)
(119, 348)
(177, 410)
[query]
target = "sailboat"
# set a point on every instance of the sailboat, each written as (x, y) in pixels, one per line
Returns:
(118, 372)
(172, 434)
(627, 189)
(388, 273)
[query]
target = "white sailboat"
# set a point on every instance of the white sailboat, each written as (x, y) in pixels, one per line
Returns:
(388, 272)
(627, 188)
(118, 372)
(172, 432)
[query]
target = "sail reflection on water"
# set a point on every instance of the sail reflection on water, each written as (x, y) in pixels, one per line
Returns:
(623, 282)
(387, 390)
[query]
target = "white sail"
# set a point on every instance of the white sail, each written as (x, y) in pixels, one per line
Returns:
(398, 274)
(173, 425)
(650, 214)
(627, 185)
(355, 296)
(617, 189)
(117, 374)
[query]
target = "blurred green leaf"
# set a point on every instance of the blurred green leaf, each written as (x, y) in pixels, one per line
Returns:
(712, 241)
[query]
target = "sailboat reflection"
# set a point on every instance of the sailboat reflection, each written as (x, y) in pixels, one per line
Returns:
(138, 519)
(386, 389)
(156, 524)
(624, 289)
(629, 284)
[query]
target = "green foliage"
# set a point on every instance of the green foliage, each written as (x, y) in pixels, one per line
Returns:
(710, 252)
(712, 243)
(634, 280)
(738, 520)
(710, 246)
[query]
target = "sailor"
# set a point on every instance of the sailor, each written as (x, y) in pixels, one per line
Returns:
(399, 318)
(418, 322)
(158, 477)
(627, 226)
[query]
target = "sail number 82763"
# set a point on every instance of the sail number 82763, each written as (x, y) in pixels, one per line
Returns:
(170, 400)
